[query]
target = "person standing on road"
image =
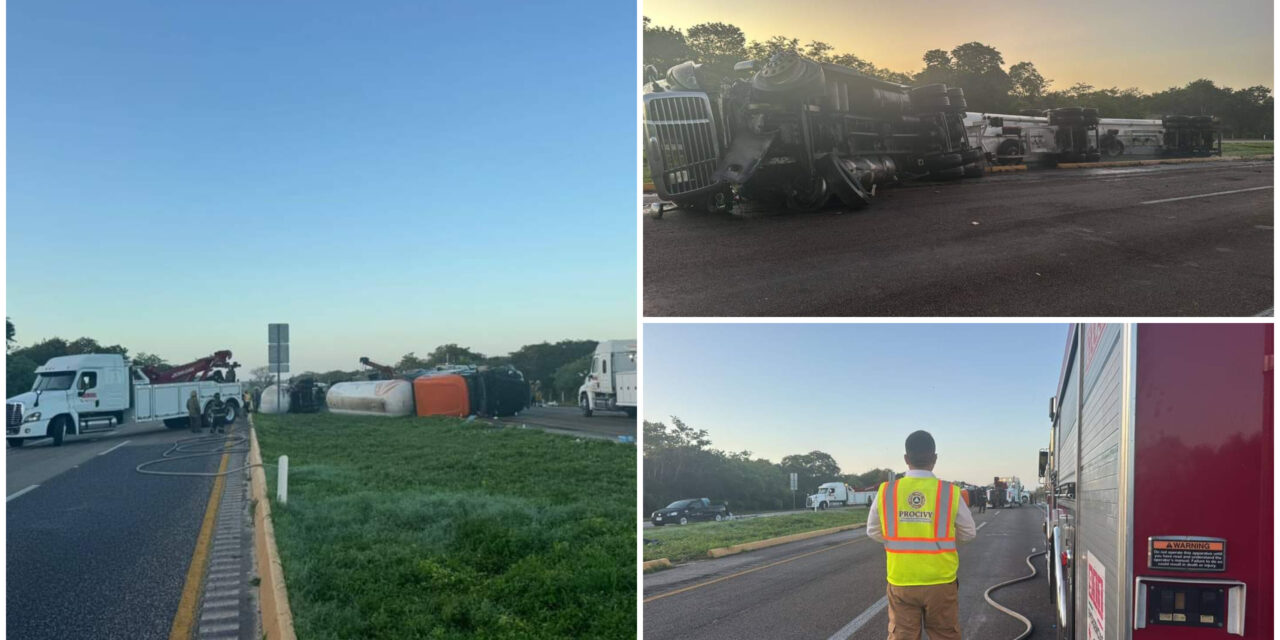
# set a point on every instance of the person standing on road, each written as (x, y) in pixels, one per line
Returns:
(193, 412)
(216, 411)
(920, 519)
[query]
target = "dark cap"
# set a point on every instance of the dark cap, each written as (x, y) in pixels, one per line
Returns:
(920, 447)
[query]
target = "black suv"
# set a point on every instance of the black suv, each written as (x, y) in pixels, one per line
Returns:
(690, 510)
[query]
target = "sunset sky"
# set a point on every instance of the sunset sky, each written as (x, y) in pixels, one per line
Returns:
(1144, 44)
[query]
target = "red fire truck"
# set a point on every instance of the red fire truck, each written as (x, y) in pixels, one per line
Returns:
(1159, 472)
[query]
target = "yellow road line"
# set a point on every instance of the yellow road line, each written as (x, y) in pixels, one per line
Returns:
(752, 570)
(184, 621)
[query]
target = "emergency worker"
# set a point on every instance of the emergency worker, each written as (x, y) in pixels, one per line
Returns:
(920, 519)
(193, 412)
(217, 414)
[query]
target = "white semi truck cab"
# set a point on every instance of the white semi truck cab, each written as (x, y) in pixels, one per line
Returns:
(837, 494)
(95, 393)
(612, 383)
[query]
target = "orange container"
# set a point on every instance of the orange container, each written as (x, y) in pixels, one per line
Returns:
(441, 396)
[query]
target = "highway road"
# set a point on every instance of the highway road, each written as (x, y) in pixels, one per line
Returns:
(1167, 240)
(607, 425)
(95, 549)
(833, 588)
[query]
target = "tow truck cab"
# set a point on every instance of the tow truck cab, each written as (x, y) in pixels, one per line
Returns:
(1160, 483)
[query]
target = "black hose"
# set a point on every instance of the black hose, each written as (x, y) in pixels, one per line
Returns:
(987, 595)
(200, 447)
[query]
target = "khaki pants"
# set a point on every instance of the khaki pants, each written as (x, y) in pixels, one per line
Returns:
(934, 608)
(195, 420)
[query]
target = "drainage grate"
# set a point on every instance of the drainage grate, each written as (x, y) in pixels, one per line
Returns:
(227, 608)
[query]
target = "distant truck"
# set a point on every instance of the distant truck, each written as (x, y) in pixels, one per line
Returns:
(1008, 492)
(95, 393)
(611, 384)
(837, 494)
(689, 510)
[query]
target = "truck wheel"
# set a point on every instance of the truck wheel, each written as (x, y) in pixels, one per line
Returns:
(233, 411)
(585, 404)
(822, 506)
(57, 429)
(684, 520)
(16, 442)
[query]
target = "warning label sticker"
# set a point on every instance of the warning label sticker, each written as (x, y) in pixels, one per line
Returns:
(1187, 553)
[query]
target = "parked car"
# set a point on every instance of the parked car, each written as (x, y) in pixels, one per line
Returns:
(690, 510)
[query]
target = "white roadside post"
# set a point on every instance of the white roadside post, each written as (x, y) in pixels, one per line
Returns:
(282, 481)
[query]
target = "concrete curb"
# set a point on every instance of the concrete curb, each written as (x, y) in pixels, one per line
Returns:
(277, 617)
(1154, 161)
(660, 563)
(771, 542)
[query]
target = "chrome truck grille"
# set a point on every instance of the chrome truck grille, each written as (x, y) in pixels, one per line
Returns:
(681, 137)
(12, 417)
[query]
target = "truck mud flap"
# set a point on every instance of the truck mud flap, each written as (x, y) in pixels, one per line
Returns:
(742, 158)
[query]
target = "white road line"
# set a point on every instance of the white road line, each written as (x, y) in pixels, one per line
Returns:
(1206, 195)
(981, 526)
(860, 621)
(114, 448)
(14, 495)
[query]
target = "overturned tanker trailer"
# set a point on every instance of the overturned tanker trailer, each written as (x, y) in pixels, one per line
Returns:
(797, 132)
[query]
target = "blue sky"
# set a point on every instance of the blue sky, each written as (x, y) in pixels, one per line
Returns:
(386, 177)
(856, 390)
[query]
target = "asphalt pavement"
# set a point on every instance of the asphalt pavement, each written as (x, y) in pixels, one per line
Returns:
(95, 549)
(833, 587)
(606, 425)
(1168, 240)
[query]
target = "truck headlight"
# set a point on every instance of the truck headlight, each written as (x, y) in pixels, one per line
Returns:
(31, 417)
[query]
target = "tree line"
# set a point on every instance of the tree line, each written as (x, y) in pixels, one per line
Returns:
(981, 71)
(679, 462)
(558, 367)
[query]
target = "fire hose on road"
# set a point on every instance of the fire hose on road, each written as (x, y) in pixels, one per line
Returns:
(201, 447)
(987, 594)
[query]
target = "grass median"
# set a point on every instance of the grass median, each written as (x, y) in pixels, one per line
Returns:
(1247, 149)
(692, 541)
(432, 527)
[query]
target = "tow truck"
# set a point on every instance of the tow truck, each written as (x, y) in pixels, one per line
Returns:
(1159, 471)
(95, 393)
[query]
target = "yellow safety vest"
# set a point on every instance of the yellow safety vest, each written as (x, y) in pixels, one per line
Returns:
(918, 518)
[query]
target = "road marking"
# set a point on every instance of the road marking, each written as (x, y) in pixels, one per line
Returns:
(862, 619)
(114, 448)
(981, 526)
(752, 570)
(14, 495)
(1206, 195)
(184, 620)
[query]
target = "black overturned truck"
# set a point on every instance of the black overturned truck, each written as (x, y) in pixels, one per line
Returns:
(797, 133)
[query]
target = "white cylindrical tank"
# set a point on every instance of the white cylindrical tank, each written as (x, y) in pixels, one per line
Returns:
(371, 398)
(268, 403)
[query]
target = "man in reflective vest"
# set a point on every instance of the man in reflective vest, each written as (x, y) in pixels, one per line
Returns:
(919, 519)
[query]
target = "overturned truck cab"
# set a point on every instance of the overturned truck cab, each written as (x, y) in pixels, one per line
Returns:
(797, 133)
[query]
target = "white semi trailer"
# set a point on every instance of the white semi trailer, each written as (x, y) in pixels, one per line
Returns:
(612, 383)
(95, 393)
(838, 494)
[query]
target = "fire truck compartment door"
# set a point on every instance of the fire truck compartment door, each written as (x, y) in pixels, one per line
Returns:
(1185, 602)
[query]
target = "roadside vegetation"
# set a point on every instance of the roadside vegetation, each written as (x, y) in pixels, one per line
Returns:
(692, 541)
(435, 527)
(1247, 149)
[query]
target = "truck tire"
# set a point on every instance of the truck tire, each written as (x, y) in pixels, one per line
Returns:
(1008, 148)
(585, 405)
(14, 443)
(822, 506)
(58, 429)
(233, 411)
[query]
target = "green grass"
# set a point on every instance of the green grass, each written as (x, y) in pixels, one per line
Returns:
(1246, 149)
(694, 540)
(436, 528)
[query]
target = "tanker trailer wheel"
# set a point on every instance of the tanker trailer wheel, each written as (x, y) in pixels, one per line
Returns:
(1112, 147)
(585, 405)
